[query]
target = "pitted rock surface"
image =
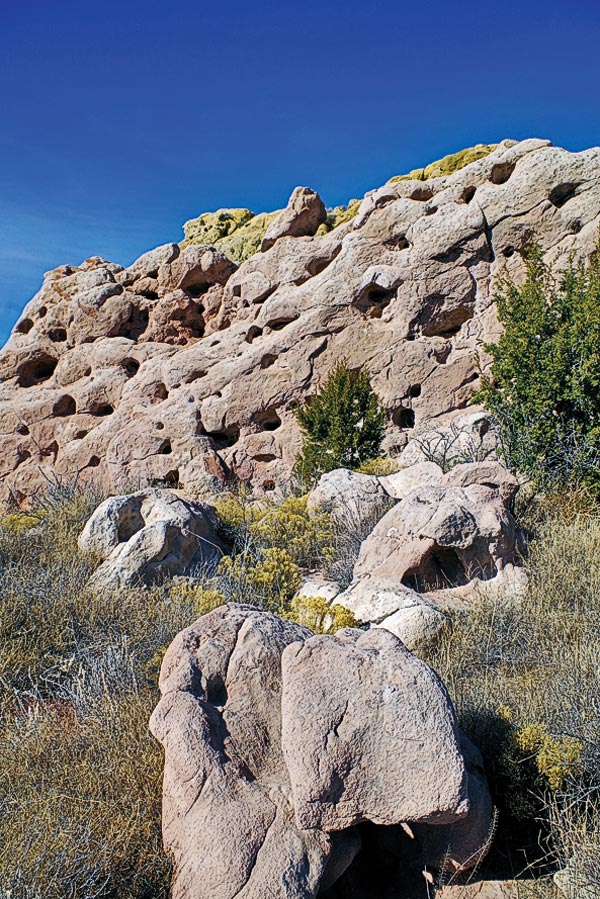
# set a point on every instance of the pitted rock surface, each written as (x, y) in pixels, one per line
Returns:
(280, 745)
(183, 367)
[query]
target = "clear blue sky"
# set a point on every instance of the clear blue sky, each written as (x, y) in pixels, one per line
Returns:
(121, 119)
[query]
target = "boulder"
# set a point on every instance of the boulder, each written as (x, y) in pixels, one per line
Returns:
(482, 889)
(355, 501)
(404, 481)
(341, 695)
(414, 622)
(440, 537)
(146, 536)
(301, 217)
(266, 728)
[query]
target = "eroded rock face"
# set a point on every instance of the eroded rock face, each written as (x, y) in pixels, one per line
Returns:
(301, 217)
(146, 536)
(280, 746)
(182, 367)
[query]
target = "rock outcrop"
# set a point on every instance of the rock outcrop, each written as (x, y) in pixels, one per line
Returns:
(282, 747)
(185, 367)
(147, 536)
(431, 541)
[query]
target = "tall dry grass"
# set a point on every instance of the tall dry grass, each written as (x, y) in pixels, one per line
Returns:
(80, 776)
(525, 679)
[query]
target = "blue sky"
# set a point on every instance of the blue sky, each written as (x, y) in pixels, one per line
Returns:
(120, 120)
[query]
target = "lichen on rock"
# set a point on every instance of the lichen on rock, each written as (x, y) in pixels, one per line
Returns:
(447, 165)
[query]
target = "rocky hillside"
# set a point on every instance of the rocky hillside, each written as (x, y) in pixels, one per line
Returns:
(186, 366)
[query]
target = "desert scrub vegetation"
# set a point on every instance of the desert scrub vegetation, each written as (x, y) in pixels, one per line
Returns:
(80, 776)
(544, 385)
(342, 424)
(524, 674)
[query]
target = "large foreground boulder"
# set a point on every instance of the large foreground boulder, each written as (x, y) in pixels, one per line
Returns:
(280, 747)
(145, 536)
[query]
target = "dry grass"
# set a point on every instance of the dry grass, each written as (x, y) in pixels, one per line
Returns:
(533, 666)
(80, 776)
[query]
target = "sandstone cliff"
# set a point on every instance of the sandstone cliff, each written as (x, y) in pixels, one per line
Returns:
(186, 366)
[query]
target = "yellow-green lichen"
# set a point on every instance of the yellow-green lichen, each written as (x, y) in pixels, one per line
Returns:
(245, 241)
(338, 216)
(448, 164)
(211, 227)
(236, 232)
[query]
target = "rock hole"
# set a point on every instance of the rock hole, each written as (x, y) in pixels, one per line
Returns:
(195, 375)
(24, 326)
(316, 266)
(42, 311)
(79, 435)
(448, 323)
(431, 210)
(237, 291)
(36, 371)
(225, 438)
(23, 430)
(422, 193)
(264, 457)
(468, 194)
(374, 300)
(268, 420)
(22, 455)
(575, 226)
(441, 568)
(216, 691)
(398, 243)
(64, 406)
(57, 335)
(165, 448)
(51, 450)
(94, 462)
(268, 360)
(171, 479)
(160, 393)
(159, 426)
(253, 333)
(501, 172)
(135, 325)
(87, 372)
(414, 390)
(507, 252)
(278, 324)
(403, 417)
(149, 295)
(196, 290)
(100, 410)
(268, 485)
(562, 193)
(130, 367)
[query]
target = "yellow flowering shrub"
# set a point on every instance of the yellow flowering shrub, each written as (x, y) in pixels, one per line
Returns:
(203, 599)
(272, 580)
(307, 538)
(379, 467)
(17, 522)
(556, 758)
(314, 613)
